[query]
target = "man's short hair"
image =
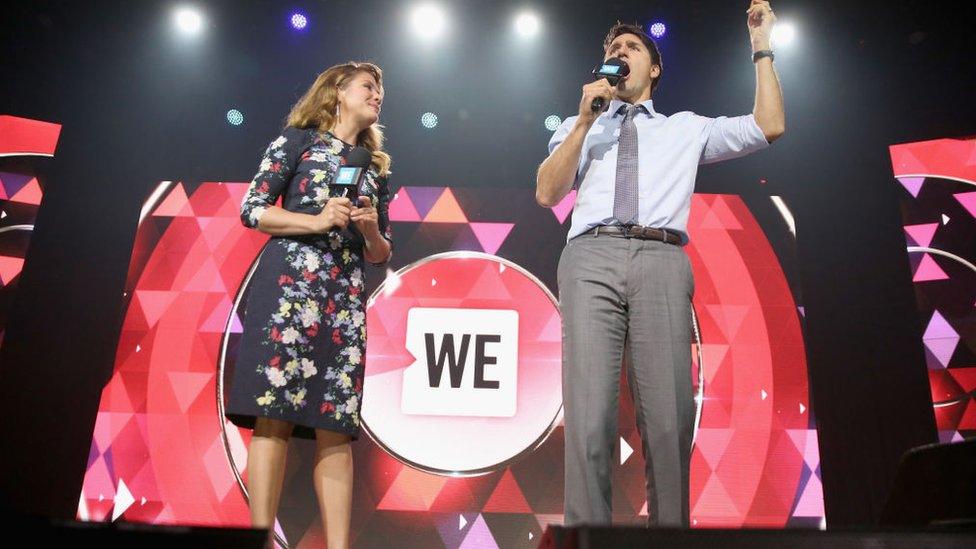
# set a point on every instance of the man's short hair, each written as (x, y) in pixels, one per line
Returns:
(649, 43)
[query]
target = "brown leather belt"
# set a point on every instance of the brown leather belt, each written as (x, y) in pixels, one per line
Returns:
(638, 232)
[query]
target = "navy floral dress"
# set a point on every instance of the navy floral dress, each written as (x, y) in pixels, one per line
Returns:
(302, 352)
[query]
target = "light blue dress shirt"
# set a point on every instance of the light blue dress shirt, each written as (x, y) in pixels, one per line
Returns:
(670, 148)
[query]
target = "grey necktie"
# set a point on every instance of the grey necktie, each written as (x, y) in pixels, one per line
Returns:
(625, 189)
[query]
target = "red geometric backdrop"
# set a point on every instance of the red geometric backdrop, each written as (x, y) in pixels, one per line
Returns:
(158, 455)
(939, 214)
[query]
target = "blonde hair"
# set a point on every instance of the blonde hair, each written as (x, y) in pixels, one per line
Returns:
(317, 108)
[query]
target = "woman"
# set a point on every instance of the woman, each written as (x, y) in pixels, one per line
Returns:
(300, 366)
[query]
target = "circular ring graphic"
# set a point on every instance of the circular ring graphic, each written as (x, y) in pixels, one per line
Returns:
(458, 291)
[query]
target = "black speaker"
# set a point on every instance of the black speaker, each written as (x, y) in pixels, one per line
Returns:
(935, 486)
(41, 531)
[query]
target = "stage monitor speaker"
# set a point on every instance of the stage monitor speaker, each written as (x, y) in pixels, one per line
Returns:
(42, 532)
(935, 486)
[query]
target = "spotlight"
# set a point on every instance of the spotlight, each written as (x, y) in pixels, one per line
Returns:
(188, 20)
(298, 21)
(428, 21)
(428, 120)
(527, 24)
(553, 122)
(658, 30)
(783, 34)
(235, 117)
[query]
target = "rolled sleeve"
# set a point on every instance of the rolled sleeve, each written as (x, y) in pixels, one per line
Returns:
(731, 137)
(558, 137)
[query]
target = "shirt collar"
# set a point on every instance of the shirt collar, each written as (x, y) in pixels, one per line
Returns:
(616, 104)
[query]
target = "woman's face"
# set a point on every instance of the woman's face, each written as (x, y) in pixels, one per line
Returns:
(361, 98)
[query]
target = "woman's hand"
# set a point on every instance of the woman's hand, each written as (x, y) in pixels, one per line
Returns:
(365, 217)
(335, 214)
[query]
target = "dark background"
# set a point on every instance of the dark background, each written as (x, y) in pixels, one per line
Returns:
(140, 104)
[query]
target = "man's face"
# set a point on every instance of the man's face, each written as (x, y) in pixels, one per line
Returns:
(630, 48)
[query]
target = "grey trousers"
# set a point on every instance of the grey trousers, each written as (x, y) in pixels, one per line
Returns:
(626, 297)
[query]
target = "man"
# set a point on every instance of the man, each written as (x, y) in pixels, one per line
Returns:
(625, 283)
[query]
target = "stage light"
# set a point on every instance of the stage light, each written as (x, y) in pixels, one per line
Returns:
(428, 21)
(553, 122)
(188, 20)
(527, 24)
(235, 117)
(783, 34)
(428, 120)
(658, 30)
(298, 20)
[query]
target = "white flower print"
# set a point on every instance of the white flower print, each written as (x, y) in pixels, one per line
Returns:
(256, 213)
(310, 314)
(322, 194)
(311, 261)
(308, 368)
(289, 335)
(358, 317)
(276, 377)
(277, 143)
(355, 355)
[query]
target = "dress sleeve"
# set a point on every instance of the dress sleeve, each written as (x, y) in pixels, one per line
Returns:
(276, 169)
(383, 214)
(726, 138)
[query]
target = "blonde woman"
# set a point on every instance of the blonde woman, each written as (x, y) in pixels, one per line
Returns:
(299, 370)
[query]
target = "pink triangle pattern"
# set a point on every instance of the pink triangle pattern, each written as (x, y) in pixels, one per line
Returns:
(922, 235)
(218, 318)
(712, 444)
(939, 328)
(187, 386)
(491, 235)
(811, 502)
(929, 270)
(968, 201)
(942, 349)
(402, 208)
(561, 210)
(912, 184)
(10, 267)
(479, 536)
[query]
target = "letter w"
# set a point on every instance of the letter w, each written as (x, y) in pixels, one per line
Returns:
(455, 366)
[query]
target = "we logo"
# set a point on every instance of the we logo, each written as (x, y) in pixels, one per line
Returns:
(467, 362)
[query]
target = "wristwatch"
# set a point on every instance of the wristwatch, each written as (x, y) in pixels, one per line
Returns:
(763, 53)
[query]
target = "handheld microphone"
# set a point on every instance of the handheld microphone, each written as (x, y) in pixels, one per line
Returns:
(350, 174)
(613, 70)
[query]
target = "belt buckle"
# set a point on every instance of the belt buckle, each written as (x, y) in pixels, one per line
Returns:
(664, 235)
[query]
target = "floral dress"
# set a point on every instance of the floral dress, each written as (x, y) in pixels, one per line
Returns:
(302, 351)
